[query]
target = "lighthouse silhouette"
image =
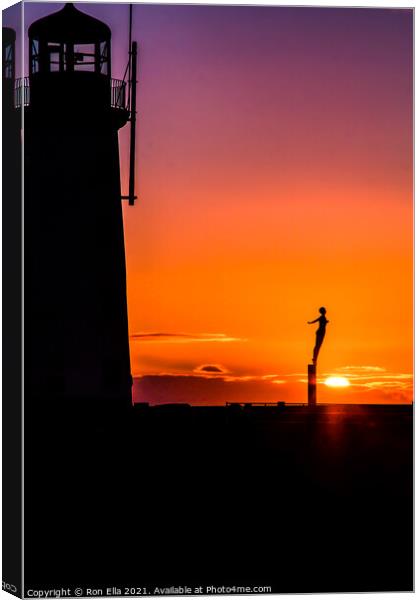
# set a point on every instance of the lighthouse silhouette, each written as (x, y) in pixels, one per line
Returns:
(76, 326)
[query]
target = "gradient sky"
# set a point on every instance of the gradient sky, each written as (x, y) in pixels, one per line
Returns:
(275, 176)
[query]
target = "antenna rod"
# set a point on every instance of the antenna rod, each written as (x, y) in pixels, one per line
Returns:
(130, 28)
(131, 196)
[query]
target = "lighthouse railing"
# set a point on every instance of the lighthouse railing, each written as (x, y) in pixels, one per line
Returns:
(118, 99)
(21, 92)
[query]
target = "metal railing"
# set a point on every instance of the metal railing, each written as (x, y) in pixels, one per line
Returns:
(118, 94)
(22, 93)
(263, 404)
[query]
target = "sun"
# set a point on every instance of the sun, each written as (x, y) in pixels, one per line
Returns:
(337, 382)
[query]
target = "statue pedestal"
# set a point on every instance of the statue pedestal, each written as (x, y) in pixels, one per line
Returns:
(311, 385)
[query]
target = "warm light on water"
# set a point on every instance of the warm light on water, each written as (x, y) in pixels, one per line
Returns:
(337, 382)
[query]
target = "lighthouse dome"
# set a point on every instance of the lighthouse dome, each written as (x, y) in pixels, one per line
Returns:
(69, 41)
(9, 36)
(70, 65)
(69, 25)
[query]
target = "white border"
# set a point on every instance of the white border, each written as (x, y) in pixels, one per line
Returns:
(319, 3)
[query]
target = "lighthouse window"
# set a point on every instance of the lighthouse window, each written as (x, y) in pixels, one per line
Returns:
(54, 61)
(34, 56)
(103, 58)
(60, 57)
(8, 62)
(84, 57)
(56, 55)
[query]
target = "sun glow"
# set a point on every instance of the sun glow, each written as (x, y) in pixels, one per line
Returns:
(337, 382)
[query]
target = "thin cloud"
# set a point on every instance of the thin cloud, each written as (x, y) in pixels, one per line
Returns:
(370, 376)
(375, 378)
(387, 385)
(362, 369)
(218, 372)
(184, 338)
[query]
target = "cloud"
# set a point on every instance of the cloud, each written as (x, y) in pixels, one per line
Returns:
(217, 371)
(262, 378)
(221, 372)
(371, 384)
(214, 387)
(205, 390)
(211, 369)
(362, 369)
(183, 338)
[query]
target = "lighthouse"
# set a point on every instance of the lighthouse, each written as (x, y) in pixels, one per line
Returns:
(76, 326)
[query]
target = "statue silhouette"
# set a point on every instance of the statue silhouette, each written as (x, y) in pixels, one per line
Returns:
(320, 332)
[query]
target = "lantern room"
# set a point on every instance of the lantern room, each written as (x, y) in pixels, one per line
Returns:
(70, 66)
(69, 41)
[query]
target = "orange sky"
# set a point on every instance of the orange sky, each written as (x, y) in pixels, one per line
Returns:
(274, 175)
(272, 182)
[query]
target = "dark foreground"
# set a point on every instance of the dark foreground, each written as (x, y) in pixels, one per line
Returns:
(300, 501)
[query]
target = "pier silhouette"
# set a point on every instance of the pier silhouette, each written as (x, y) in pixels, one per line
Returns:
(302, 500)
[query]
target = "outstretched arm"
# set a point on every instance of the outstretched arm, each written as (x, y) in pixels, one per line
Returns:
(315, 321)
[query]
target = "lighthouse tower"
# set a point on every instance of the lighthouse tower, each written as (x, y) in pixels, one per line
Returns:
(11, 359)
(76, 331)
(11, 141)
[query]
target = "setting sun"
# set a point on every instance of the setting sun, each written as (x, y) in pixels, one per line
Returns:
(337, 382)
